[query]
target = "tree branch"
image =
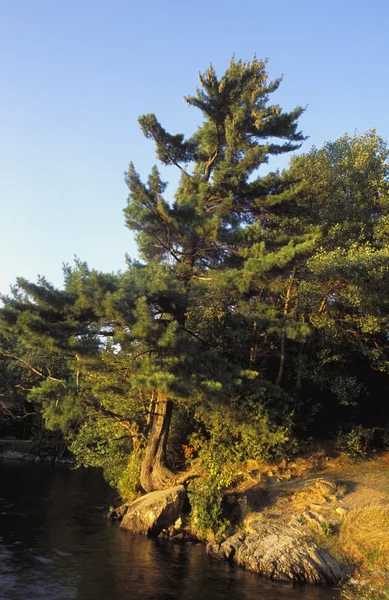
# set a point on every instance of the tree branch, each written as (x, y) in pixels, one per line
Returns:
(28, 366)
(5, 408)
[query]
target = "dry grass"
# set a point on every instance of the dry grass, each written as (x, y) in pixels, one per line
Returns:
(358, 537)
(364, 537)
(375, 588)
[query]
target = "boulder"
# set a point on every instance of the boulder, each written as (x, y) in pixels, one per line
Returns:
(154, 512)
(282, 552)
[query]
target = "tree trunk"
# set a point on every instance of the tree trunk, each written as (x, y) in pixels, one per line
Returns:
(283, 335)
(154, 473)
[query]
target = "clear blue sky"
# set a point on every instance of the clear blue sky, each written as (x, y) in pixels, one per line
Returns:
(75, 75)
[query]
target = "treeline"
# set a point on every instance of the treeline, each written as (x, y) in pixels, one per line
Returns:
(255, 317)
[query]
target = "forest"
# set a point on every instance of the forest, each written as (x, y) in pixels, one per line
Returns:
(253, 321)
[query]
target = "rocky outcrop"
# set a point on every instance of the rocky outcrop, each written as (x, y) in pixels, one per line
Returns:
(154, 512)
(282, 552)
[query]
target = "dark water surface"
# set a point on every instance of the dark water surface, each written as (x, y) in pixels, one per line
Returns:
(55, 544)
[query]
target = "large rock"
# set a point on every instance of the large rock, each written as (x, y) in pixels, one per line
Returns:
(279, 552)
(154, 511)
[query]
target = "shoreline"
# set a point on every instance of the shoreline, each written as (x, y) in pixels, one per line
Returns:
(292, 520)
(29, 457)
(298, 528)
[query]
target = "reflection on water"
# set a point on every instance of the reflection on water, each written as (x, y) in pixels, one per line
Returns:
(55, 544)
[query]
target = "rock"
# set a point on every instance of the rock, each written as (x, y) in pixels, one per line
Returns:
(314, 518)
(117, 513)
(154, 512)
(327, 488)
(341, 511)
(279, 552)
(317, 506)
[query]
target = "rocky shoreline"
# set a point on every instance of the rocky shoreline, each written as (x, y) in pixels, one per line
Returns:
(284, 553)
(285, 550)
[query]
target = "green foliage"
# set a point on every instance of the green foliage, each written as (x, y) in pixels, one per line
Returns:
(355, 442)
(241, 430)
(206, 499)
(128, 482)
(100, 442)
(227, 436)
(327, 528)
(261, 300)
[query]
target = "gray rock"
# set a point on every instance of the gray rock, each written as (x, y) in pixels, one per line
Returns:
(154, 511)
(279, 552)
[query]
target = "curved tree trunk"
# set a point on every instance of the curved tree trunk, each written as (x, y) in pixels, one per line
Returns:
(154, 473)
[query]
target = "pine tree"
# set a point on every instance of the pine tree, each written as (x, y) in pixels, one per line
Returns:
(253, 294)
(173, 328)
(198, 249)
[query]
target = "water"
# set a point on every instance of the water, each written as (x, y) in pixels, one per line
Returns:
(56, 544)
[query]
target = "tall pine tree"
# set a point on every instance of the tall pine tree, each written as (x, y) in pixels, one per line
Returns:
(200, 249)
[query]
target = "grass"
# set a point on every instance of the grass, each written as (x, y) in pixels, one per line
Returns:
(364, 537)
(375, 588)
(358, 538)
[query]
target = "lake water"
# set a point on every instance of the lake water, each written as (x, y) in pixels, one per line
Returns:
(56, 544)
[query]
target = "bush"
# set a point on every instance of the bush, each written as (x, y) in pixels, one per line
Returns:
(226, 437)
(206, 496)
(206, 499)
(128, 484)
(355, 443)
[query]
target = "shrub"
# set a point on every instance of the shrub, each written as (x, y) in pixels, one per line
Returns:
(226, 437)
(355, 443)
(206, 499)
(128, 484)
